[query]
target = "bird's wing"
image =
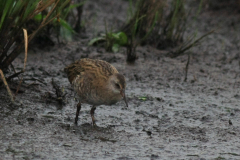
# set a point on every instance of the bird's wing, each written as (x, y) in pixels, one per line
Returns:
(89, 67)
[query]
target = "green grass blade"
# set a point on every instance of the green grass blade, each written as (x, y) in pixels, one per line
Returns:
(7, 5)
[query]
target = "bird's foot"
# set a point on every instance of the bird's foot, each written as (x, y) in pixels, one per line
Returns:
(76, 121)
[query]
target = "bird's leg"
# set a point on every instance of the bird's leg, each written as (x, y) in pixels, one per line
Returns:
(92, 115)
(77, 112)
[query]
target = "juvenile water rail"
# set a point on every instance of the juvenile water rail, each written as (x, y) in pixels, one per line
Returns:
(97, 83)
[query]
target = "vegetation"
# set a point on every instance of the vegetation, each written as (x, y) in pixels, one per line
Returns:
(157, 23)
(160, 26)
(113, 41)
(15, 15)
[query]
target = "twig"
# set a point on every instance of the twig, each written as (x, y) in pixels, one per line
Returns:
(14, 75)
(186, 69)
(14, 71)
(35, 79)
(19, 85)
(6, 85)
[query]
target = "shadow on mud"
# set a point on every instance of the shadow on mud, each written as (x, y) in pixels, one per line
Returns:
(88, 132)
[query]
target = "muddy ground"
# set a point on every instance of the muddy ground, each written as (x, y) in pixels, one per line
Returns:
(167, 117)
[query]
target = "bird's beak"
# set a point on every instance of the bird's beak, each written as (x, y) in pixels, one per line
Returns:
(124, 97)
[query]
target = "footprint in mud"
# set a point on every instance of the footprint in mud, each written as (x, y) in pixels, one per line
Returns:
(88, 132)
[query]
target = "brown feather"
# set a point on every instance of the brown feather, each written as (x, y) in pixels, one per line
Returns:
(89, 65)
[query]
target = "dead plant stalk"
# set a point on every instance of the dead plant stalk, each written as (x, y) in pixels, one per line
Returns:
(25, 58)
(6, 85)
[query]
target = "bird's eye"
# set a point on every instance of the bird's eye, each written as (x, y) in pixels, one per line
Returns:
(117, 85)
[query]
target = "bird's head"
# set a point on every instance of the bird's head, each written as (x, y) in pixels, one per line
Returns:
(118, 85)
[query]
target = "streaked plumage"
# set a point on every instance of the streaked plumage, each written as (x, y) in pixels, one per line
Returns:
(97, 82)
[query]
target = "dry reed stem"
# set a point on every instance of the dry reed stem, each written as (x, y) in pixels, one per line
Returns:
(26, 48)
(25, 58)
(6, 85)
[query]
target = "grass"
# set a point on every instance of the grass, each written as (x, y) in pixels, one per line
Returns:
(15, 14)
(141, 24)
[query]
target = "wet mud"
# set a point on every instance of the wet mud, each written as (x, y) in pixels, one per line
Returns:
(167, 118)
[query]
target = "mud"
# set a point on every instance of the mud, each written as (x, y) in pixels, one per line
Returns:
(167, 118)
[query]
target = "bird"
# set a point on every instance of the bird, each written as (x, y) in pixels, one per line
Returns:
(96, 82)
